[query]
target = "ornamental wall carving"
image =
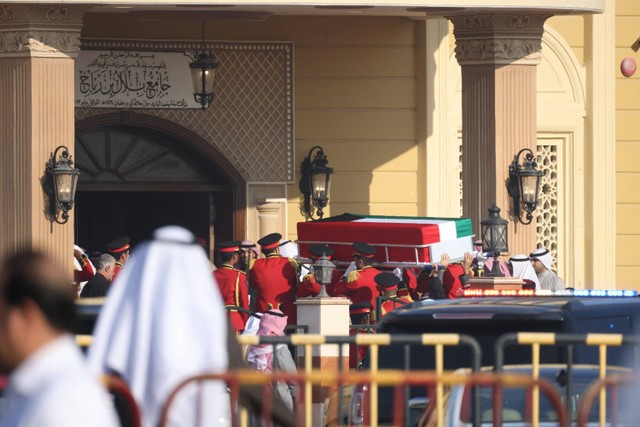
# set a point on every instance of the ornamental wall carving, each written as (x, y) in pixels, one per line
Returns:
(40, 43)
(46, 31)
(11, 16)
(498, 39)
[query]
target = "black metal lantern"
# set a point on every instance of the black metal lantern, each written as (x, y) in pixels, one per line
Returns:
(203, 73)
(61, 183)
(323, 271)
(524, 184)
(315, 182)
(494, 232)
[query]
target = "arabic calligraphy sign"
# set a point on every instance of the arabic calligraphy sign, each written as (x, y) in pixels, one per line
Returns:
(124, 79)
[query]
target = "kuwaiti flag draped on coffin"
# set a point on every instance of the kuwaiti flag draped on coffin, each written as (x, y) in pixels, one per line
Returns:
(430, 236)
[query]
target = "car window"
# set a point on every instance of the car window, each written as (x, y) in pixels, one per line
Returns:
(516, 406)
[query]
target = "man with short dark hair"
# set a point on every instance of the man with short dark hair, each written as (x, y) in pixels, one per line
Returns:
(98, 286)
(49, 384)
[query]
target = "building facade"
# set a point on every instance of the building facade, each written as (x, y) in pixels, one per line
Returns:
(384, 90)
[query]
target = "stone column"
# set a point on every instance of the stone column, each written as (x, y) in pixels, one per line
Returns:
(268, 218)
(38, 45)
(498, 55)
(324, 316)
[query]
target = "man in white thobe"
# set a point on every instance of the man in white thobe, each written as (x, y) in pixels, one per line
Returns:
(541, 260)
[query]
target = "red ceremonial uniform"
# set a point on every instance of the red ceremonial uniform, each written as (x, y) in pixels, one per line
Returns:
(388, 306)
(275, 279)
(414, 280)
(233, 288)
(451, 280)
(310, 288)
(359, 286)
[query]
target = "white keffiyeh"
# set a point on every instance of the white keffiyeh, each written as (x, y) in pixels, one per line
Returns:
(523, 269)
(544, 256)
(164, 321)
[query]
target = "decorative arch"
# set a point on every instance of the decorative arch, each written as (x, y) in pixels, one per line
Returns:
(194, 142)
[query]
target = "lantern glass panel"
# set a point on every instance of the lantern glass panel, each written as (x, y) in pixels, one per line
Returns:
(529, 187)
(323, 270)
(319, 185)
(209, 78)
(65, 184)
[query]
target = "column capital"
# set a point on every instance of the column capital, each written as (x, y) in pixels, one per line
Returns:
(40, 31)
(499, 39)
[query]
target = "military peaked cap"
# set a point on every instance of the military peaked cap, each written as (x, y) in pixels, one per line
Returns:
(387, 280)
(316, 251)
(363, 250)
(232, 246)
(121, 244)
(270, 241)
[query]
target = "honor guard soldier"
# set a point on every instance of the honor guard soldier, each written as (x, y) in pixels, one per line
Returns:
(275, 279)
(360, 315)
(388, 285)
(309, 287)
(119, 249)
(232, 283)
(359, 285)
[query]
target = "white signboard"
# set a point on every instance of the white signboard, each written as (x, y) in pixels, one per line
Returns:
(124, 79)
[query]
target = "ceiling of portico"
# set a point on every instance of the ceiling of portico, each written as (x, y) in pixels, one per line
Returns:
(257, 10)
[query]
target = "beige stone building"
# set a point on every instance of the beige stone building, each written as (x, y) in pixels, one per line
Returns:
(383, 87)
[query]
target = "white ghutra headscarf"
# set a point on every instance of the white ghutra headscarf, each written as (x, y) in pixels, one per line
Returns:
(523, 269)
(544, 256)
(164, 321)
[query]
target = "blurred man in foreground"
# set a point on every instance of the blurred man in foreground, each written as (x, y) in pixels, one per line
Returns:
(49, 383)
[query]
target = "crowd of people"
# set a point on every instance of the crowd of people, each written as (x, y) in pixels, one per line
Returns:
(153, 332)
(270, 275)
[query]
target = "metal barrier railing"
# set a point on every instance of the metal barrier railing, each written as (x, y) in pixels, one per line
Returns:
(536, 340)
(377, 377)
(397, 379)
(594, 392)
(373, 341)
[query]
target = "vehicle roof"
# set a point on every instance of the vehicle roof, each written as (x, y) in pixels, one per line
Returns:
(552, 367)
(487, 308)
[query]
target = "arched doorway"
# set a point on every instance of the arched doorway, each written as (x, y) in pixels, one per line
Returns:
(139, 172)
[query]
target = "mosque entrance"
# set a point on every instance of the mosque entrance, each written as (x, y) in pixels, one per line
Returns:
(134, 180)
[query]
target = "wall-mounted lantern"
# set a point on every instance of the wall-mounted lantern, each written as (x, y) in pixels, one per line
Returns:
(60, 184)
(315, 182)
(203, 73)
(524, 184)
